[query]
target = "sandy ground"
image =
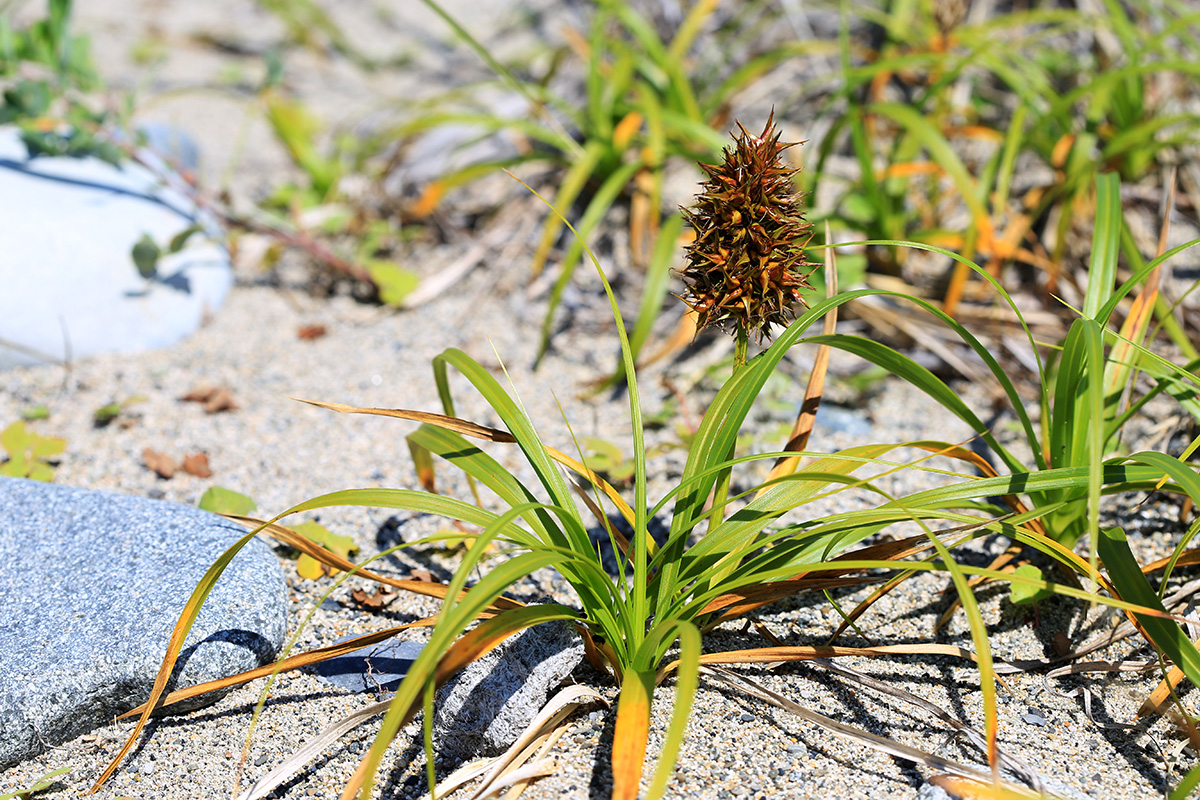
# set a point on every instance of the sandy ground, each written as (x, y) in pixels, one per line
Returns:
(281, 452)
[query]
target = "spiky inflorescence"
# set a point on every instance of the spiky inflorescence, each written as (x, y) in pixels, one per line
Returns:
(746, 267)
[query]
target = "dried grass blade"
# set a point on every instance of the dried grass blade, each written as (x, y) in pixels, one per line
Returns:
(518, 787)
(769, 655)
(733, 605)
(296, 762)
(875, 742)
(977, 739)
(611, 493)
(290, 663)
(1188, 558)
(522, 776)
(561, 706)
(470, 646)
(1102, 666)
(1122, 631)
(741, 601)
(460, 426)
(332, 559)
(798, 440)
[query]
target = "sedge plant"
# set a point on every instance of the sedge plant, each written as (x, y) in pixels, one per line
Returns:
(722, 557)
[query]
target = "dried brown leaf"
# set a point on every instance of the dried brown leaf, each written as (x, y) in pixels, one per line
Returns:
(373, 601)
(309, 332)
(161, 463)
(197, 464)
(214, 398)
(220, 400)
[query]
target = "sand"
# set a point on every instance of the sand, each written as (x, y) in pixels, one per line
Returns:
(281, 452)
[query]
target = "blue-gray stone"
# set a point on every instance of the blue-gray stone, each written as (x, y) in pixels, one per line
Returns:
(92, 586)
(484, 708)
(1034, 716)
(375, 668)
(70, 287)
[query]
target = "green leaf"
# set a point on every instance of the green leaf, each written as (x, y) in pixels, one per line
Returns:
(145, 256)
(44, 782)
(106, 413)
(43, 447)
(179, 240)
(220, 500)
(1024, 594)
(394, 283)
(35, 413)
(311, 568)
(28, 451)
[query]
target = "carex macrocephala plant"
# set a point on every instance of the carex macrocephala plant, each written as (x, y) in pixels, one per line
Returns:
(710, 568)
(746, 267)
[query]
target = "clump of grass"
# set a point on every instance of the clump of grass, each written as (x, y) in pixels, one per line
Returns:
(724, 557)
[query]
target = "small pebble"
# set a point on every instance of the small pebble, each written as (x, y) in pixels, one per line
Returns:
(264, 758)
(1034, 716)
(746, 717)
(147, 768)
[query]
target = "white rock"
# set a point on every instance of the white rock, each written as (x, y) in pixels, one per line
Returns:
(68, 285)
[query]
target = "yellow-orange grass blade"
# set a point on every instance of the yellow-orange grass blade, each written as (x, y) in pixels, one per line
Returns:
(968, 789)
(1187, 558)
(630, 734)
(1035, 527)
(741, 601)
(1158, 699)
(441, 420)
(770, 655)
(332, 559)
(798, 441)
(683, 335)
(290, 663)
(191, 610)
(465, 428)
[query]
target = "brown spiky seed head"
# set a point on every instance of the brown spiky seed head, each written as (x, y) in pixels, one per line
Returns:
(746, 268)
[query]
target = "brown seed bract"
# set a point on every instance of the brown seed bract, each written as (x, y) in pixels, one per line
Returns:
(746, 268)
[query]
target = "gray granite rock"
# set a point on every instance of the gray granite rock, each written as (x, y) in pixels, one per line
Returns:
(68, 284)
(91, 585)
(484, 708)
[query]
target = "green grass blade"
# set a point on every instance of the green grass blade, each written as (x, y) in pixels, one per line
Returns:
(565, 142)
(1126, 575)
(1102, 269)
(600, 203)
(568, 190)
